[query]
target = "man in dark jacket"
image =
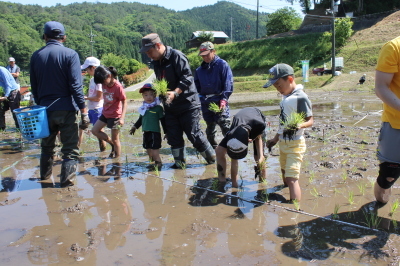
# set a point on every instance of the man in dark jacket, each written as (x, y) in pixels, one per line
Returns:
(55, 74)
(214, 83)
(181, 104)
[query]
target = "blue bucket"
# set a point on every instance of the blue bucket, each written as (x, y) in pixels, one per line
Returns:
(33, 122)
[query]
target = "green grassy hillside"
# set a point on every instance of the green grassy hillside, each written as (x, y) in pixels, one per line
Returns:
(250, 60)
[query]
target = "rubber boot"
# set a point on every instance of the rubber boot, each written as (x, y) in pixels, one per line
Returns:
(46, 166)
(179, 157)
(68, 173)
(209, 155)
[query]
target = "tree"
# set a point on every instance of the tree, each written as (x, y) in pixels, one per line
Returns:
(343, 30)
(205, 36)
(283, 20)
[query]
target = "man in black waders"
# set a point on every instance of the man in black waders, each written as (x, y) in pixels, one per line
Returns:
(56, 82)
(181, 104)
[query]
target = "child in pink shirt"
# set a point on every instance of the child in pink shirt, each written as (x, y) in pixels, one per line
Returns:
(114, 108)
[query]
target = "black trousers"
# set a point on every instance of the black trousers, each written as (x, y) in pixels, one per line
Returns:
(12, 103)
(187, 122)
(65, 122)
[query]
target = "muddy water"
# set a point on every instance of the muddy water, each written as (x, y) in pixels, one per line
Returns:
(121, 213)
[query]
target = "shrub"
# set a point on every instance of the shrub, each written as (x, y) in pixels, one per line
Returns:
(136, 77)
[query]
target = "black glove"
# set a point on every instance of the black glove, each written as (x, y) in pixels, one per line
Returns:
(132, 131)
(85, 121)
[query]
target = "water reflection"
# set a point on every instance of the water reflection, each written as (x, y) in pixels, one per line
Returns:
(313, 240)
(246, 223)
(112, 205)
(51, 243)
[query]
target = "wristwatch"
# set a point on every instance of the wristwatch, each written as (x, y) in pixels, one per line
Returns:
(176, 94)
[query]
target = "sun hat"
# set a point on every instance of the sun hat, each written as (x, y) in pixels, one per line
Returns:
(238, 141)
(278, 71)
(90, 61)
(205, 48)
(147, 86)
(149, 41)
(11, 59)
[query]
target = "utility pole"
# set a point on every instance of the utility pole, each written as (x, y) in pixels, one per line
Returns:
(91, 35)
(231, 30)
(334, 9)
(333, 40)
(257, 20)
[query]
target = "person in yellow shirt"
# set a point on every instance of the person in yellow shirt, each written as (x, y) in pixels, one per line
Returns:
(387, 88)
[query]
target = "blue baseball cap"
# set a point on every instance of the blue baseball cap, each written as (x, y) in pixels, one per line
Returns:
(54, 29)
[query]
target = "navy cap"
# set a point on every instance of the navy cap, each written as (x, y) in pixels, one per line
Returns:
(54, 29)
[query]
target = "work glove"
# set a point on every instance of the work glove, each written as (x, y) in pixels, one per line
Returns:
(85, 121)
(222, 104)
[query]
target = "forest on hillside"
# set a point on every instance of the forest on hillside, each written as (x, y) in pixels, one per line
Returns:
(117, 27)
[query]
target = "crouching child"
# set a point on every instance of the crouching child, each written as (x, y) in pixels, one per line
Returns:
(248, 125)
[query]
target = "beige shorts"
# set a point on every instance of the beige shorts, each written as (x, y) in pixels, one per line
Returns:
(291, 156)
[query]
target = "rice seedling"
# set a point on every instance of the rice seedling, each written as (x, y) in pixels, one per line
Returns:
(350, 198)
(371, 181)
(161, 86)
(394, 207)
(264, 182)
(361, 188)
(214, 184)
(344, 176)
(335, 214)
(213, 107)
(156, 171)
(364, 164)
(296, 204)
(394, 223)
(315, 192)
(372, 219)
(181, 165)
(173, 178)
(291, 123)
(263, 196)
(311, 177)
(336, 191)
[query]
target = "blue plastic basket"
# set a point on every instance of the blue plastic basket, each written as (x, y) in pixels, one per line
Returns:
(33, 122)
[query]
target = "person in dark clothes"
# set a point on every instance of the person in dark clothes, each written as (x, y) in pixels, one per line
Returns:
(214, 83)
(56, 82)
(248, 125)
(182, 104)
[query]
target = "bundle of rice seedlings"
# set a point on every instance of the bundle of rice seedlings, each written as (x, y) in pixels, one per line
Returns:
(291, 124)
(213, 107)
(161, 87)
